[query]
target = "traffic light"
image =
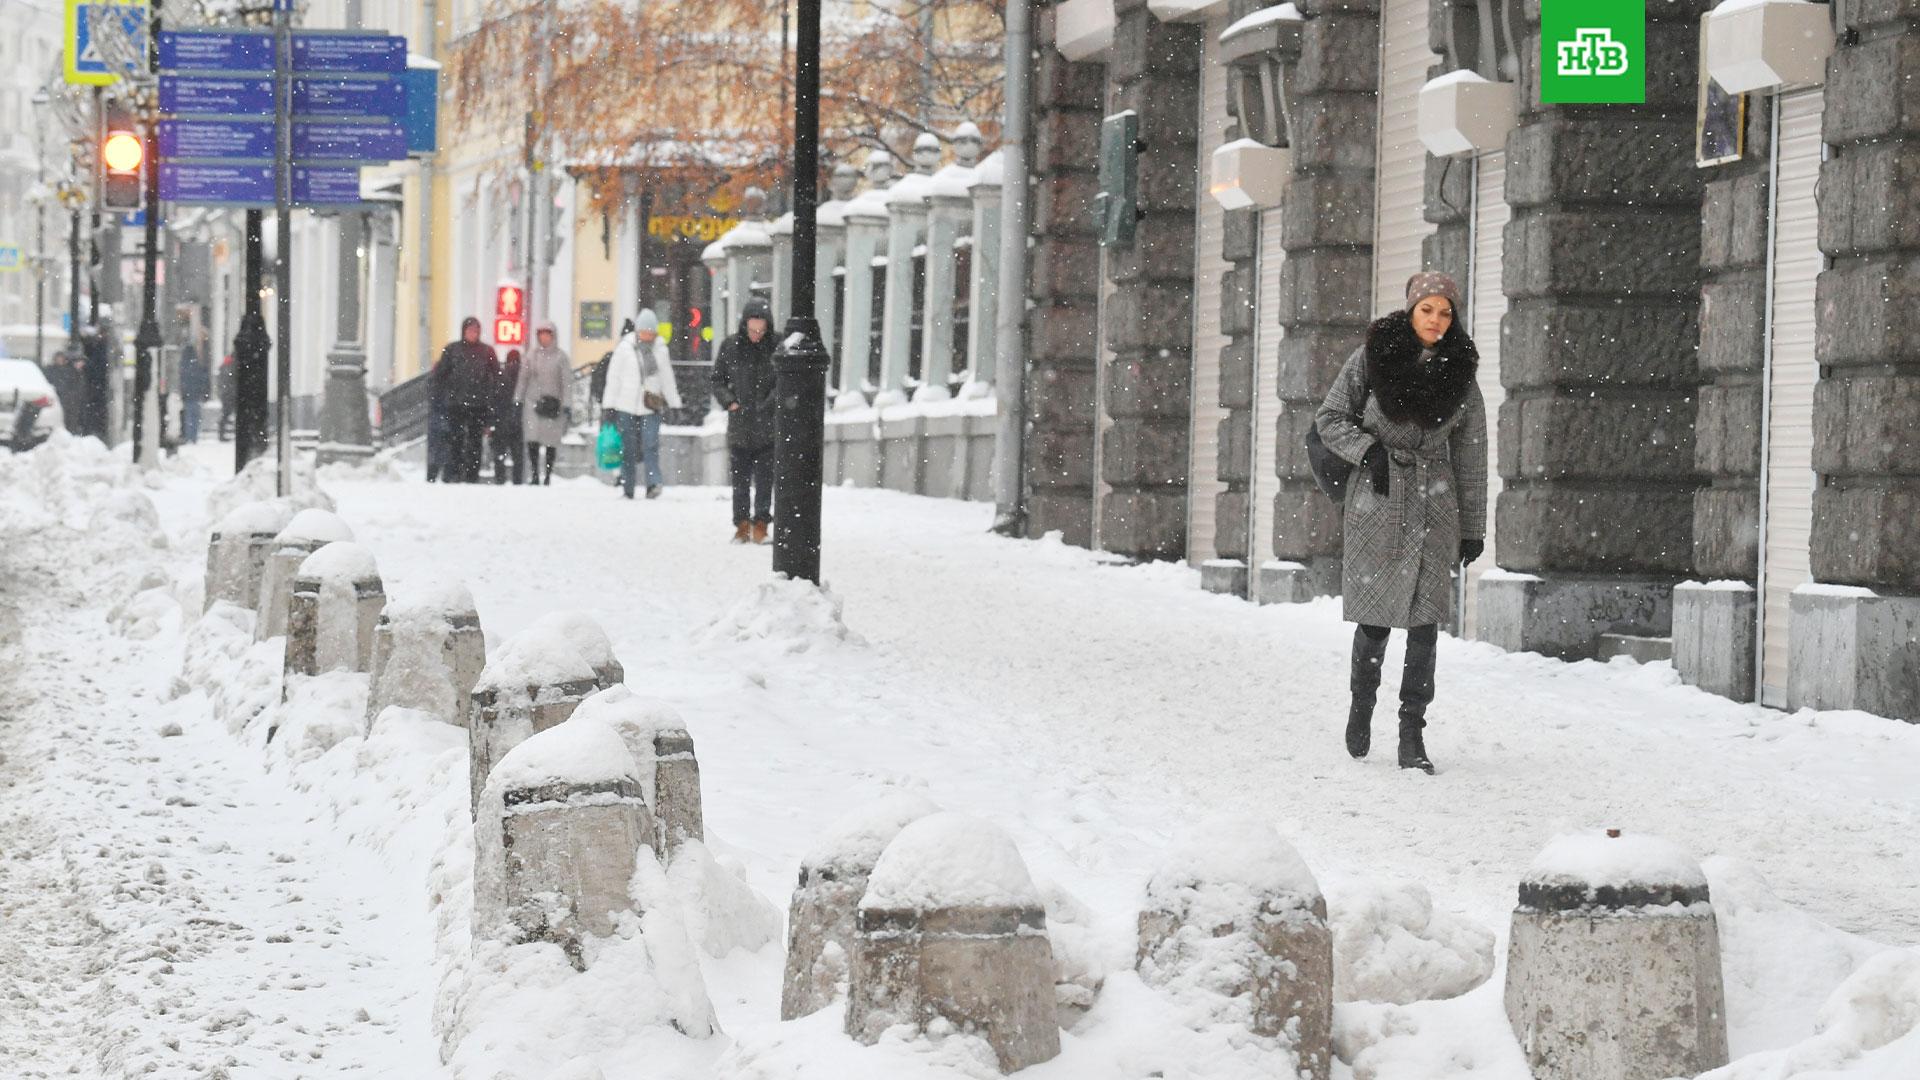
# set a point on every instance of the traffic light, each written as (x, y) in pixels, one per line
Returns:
(122, 155)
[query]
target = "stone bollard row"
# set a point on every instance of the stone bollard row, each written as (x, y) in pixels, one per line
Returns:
(334, 607)
(428, 652)
(237, 552)
(1237, 902)
(532, 684)
(951, 933)
(307, 532)
(833, 878)
(662, 750)
(561, 826)
(1613, 965)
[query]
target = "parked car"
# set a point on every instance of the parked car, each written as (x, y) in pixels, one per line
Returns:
(29, 409)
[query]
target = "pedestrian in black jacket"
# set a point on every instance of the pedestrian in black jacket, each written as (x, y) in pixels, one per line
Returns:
(463, 384)
(743, 384)
(507, 436)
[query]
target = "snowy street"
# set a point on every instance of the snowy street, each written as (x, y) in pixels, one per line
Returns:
(210, 903)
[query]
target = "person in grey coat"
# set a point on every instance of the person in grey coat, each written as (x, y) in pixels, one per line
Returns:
(546, 385)
(1406, 411)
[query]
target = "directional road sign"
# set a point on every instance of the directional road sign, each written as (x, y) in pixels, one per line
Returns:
(363, 54)
(196, 182)
(340, 97)
(319, 186)
(216, 50)
(82, 63)
(343, 140)
(209, 95)
(221, 138)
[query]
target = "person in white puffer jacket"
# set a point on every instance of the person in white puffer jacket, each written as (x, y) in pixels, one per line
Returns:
(639, 389)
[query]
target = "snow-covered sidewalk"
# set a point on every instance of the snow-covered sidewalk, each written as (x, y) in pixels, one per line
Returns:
(1092, 710)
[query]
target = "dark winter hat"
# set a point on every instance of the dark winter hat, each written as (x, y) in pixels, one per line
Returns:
(468, 323)
(1432, 283)
(757, 309)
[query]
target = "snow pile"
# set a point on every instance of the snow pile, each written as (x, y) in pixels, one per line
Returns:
(637, 720)
(578, 753)
(428, 599)
(321, 712)
(586, 634)
(154, 608)
(855, 841)
(949, 860)
(264, 518)
(787, 614)
(1869, 1027)
(126, 516)
(340, 562)
(383, 467)
(1390, 944)
(1600, 860)
(315, 525)
(536, 656)
(1218, 872)
(722, 912)
(58, 484)
(259, 482)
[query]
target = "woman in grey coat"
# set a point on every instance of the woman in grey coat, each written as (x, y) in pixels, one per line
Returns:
(546, 385)
(1406, 411)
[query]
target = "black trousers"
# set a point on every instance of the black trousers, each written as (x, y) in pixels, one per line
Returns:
(752, 483)
(1416, 680)
(541, 475)
(468, 431)
(508, 446)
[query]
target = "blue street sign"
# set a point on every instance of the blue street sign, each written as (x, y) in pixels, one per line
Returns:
(344, 140)
(423, 109)
(193, 182)
(364, 54)
(205, 95)
(81, 59)
(325, 186)
(216, 138)
(215, 50)
(383, 98)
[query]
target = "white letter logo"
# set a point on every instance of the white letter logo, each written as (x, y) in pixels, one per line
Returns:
(1593, 52)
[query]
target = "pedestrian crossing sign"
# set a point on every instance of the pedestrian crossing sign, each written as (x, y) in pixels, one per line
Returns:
(81, 58)
(9, 257)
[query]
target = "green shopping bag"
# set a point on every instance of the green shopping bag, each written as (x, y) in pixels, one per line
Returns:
(609, 446)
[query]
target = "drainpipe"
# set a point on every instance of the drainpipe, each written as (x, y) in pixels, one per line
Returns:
(1009, 452)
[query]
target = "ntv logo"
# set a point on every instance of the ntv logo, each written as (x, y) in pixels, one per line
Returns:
(1592, 52)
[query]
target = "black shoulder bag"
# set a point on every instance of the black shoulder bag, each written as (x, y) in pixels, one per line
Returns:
(1330, 470)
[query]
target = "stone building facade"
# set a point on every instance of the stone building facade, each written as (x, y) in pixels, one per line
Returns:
(1704, 363)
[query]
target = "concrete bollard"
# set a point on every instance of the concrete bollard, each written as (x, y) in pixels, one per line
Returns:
(561, 829)
(833, 878)
(335, 606)
(237, 552)
(533, 683)
(1613, 966)
(592, 641)
(428, 652)
(309, 531)
(1235, 901)
(669, 771)
(951, 935)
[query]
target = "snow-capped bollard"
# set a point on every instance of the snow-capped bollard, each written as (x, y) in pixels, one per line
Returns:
(237, 552)
(833, 878)
(561, 828)
(533, 683)
(669, 771)
(428, 651)
(952, 934)
(1613, 967)
(309, 531)
(335, 606)
(1234, 907)
(591, 639)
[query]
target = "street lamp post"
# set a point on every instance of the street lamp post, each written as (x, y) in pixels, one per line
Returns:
(801, 361)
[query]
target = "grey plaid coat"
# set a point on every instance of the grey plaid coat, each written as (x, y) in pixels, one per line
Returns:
(1401, 548)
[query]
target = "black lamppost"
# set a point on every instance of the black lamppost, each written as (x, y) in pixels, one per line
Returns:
(801, 361)
(252, 347)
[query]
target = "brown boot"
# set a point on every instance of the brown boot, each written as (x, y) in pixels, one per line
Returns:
(759, 532)
(742, 532)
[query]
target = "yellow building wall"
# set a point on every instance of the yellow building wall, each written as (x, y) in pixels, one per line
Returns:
(596, 276)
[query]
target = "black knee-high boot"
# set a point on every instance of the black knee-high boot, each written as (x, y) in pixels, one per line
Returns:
(1369, 652)
(1416, 693)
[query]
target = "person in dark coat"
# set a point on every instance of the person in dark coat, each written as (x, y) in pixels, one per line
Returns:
(743, 384)
(196, 386)
(507, 437)
(1406, 411)
(228, 382)
(463, 384)
(69, 385)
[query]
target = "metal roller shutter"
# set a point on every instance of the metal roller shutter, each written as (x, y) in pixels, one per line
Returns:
(1791, 375)
(1399, 221)
(1203, 458)
(1486, 306)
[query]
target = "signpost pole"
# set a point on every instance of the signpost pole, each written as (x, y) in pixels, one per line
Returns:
(283, 229)
(252, 351)
(146, 342)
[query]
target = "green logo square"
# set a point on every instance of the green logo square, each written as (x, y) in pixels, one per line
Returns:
(1593, 51)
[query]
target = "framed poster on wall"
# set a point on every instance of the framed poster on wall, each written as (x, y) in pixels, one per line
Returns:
(1720, 127)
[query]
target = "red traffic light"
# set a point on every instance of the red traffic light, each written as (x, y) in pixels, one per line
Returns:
(122, 151)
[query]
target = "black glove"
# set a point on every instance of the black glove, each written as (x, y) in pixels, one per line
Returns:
(1377, 462)
(1471, 550)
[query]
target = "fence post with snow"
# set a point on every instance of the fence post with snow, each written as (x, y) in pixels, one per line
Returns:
(333, 609)
(658, 741)
(534, 682)
(1235, 898)
(951, 933)
(309, 531)
(560, 828)
(428, 652)
(1613, 966)
(833, 877)
(237, 552)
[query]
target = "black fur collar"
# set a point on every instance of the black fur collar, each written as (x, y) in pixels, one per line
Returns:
(1409, 391)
